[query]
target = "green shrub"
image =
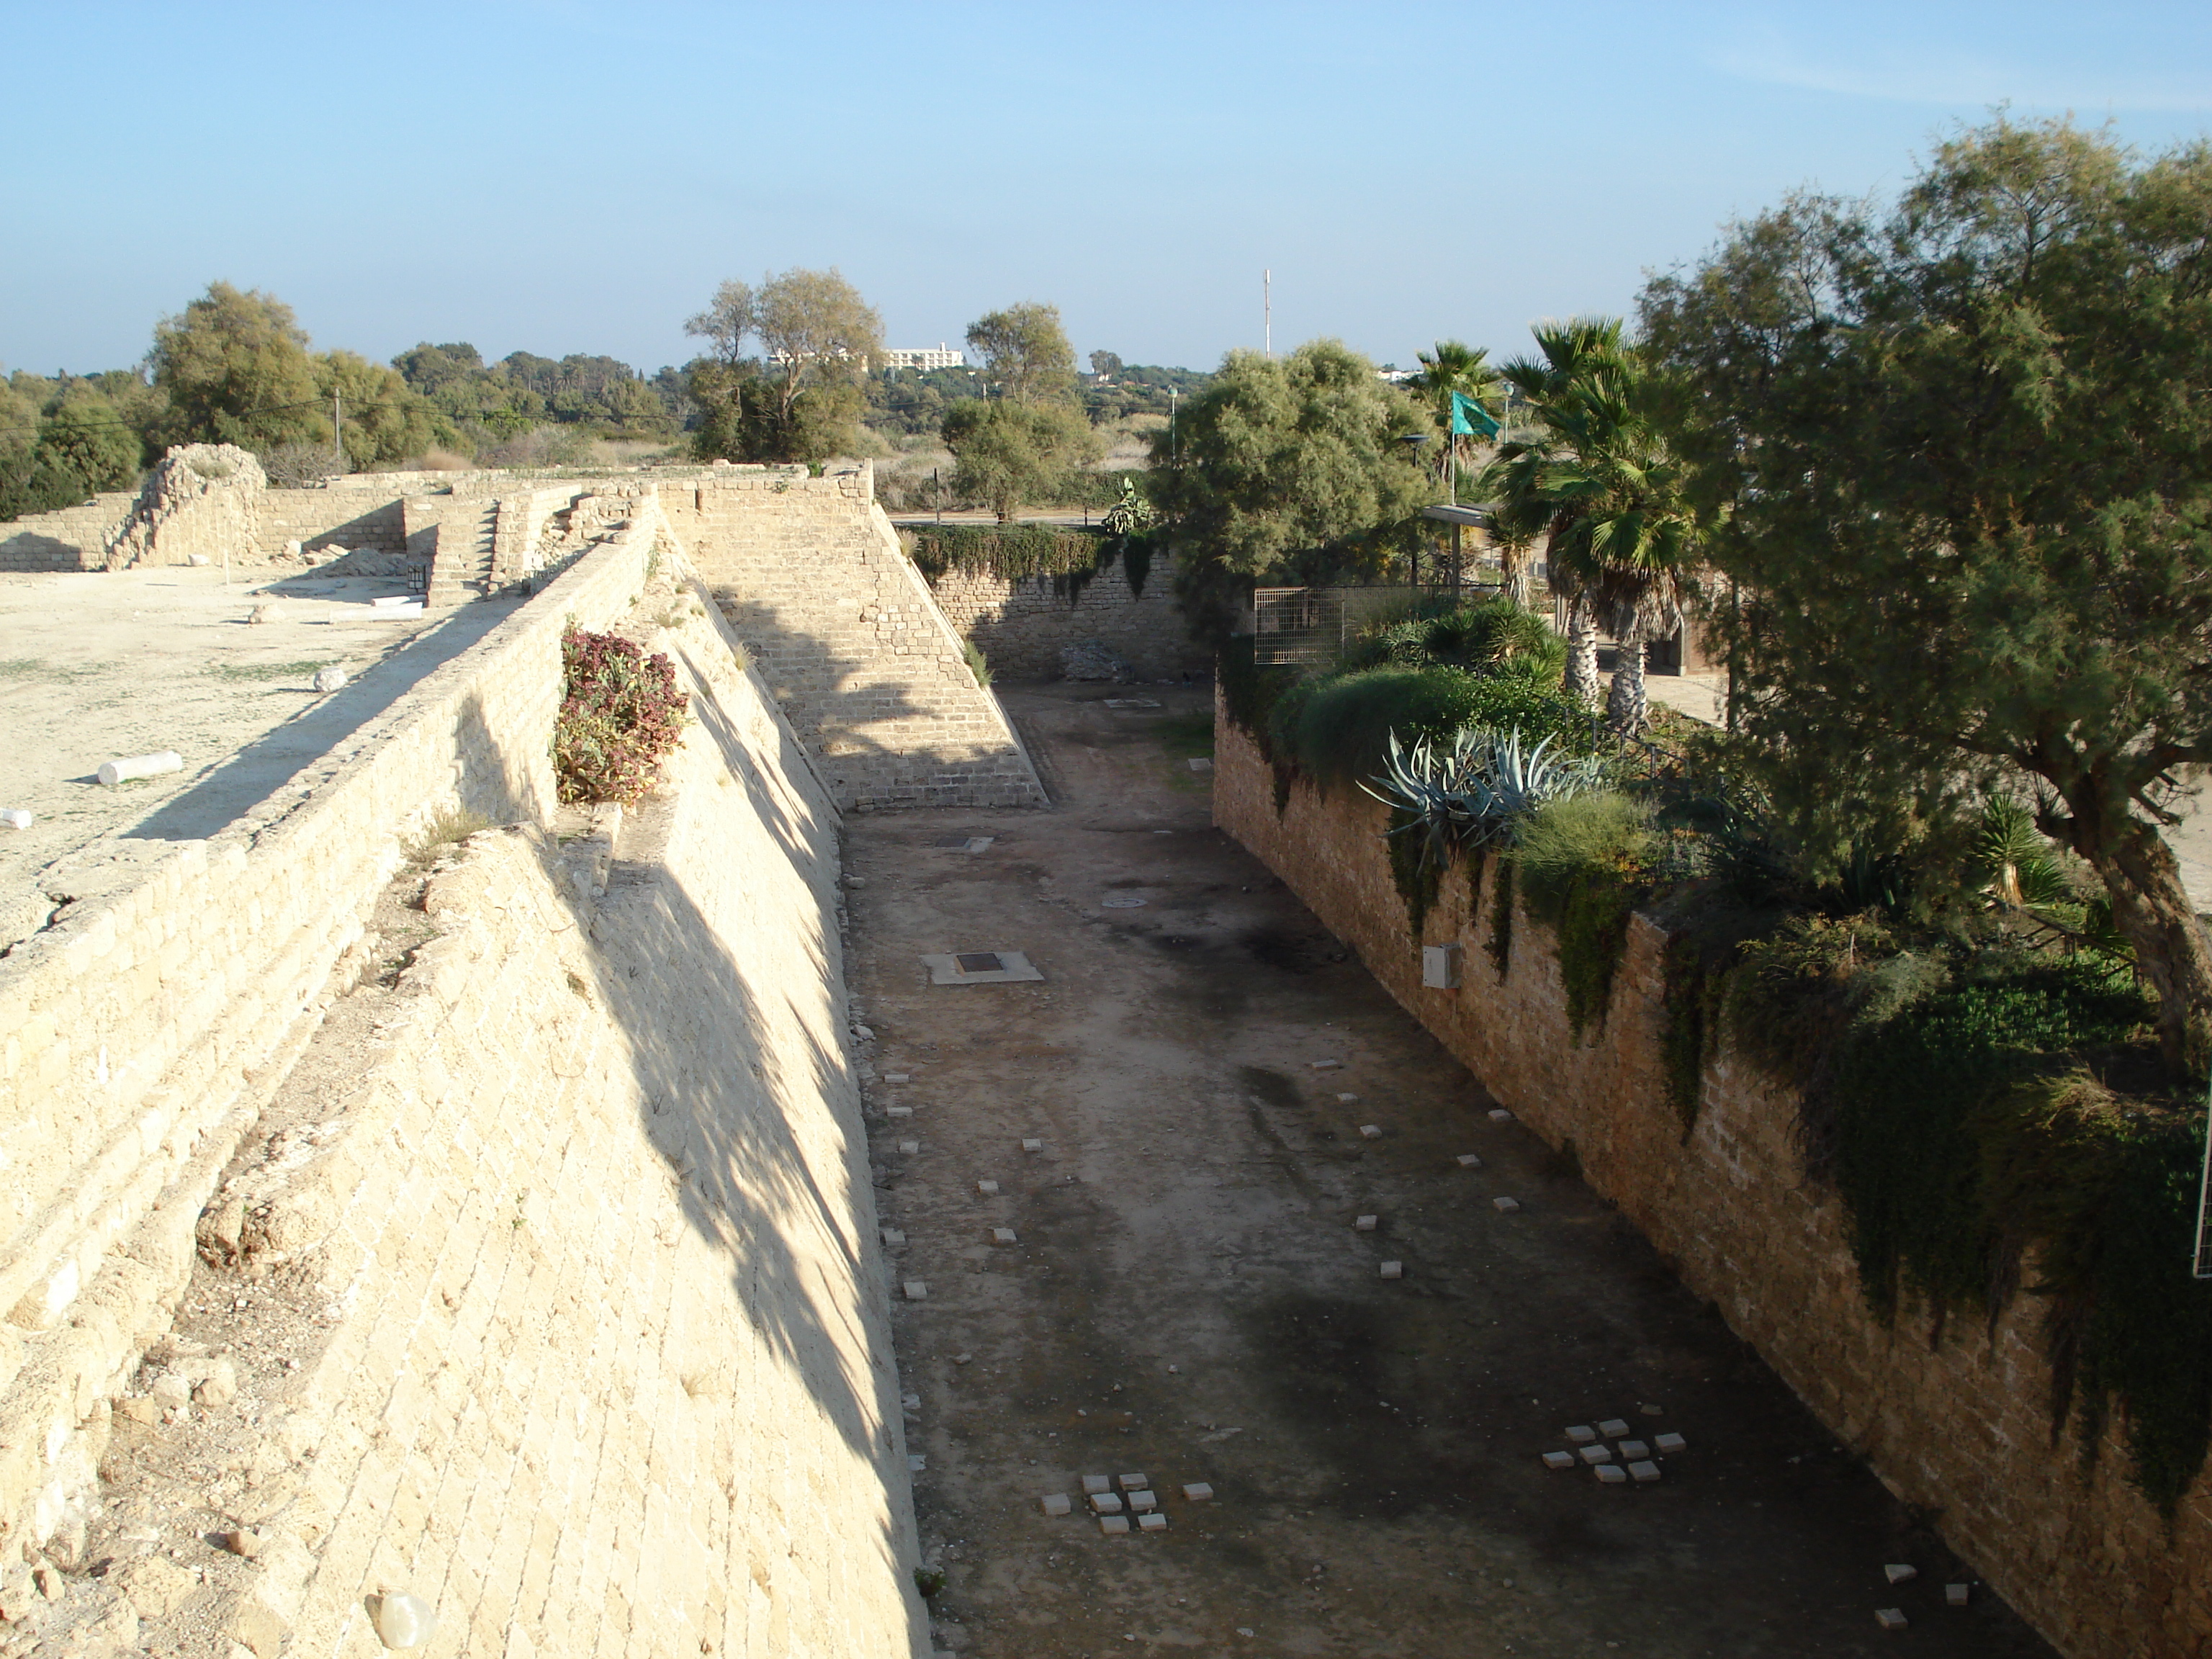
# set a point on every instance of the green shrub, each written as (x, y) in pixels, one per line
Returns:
(978, 664)
(1491, 636)
(620, 713)
(1337, 729)
(1014, 552)
(1580, 868)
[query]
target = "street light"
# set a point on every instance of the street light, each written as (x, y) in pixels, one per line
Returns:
(1413, 441)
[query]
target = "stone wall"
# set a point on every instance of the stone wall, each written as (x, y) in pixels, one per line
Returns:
(1962, 1429)
(612, 1370)
(144, 1034)
(867, 669)
(72, 538)
(1023, 625)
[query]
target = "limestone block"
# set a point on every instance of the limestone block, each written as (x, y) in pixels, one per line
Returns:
(1393, 1270)
(1154, 1522)
(989, 1188)
(1611, 1474)
(1499, 1115)
(156, 1587)
(1956, 1595)
(1135, 1483)
(1002, 1236)
(1613, 1428)
(1140, 1502)
(917, 1290)
(1469, 1161)
(1198, 1492)
(1055, 1503)
(1643, 1470)
(1899, 1572)
(1106, 1503)
(1890, 1617)
(1669, 1441)
(1364, 1224)
(1032, 1145)
(1634, 1448)
(1505, 1206)
(1113, 1524)
(1371, 1132)
(1559, 1460)
(1095, 1484)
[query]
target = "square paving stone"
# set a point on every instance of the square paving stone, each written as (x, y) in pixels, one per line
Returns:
(1113, 1523)
(1632, 1450)
(1106, 1503)
(1135, 1482)
(1613, 1428)
(1597, 1453)
(1198, 1492)
(1643, 1471)
(1669, 1441)
(1371, 1132)
(916, 1291)
(1032, 1145)
(1469, 1161)
(1055, 1503)
(1142, 1502)
(1154, 1522)
(1094, 1484)
(1393, 1270)
(1002, 1235)
(1582, 1434)
(1364, 1224)
(1890, 1617)
(1506, 1205)
(1559, 1460)
(989, 1188)
(1611, 1474)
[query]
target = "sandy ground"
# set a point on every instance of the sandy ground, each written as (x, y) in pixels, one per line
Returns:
(1187, 1297)
(95, 666)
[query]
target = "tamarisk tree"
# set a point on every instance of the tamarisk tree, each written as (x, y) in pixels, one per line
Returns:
(1966, 443)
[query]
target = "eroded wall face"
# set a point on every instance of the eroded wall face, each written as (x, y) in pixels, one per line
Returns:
(1963, 1428)
(613, 1371)
(856, 651)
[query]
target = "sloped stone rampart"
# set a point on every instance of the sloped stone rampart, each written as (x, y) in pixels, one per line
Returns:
(1022, 625)
(865, 665)
(612, 1371)
(1961, 1429)
(142, 1035)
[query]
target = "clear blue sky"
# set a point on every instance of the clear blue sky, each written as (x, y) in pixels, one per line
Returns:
(570, 175)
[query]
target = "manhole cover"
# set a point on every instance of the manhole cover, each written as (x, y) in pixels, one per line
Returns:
(980, 968)
(964, 843)
(1121, 901)
(979, 962)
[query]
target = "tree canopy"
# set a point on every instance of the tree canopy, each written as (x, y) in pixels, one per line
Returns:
(1298, 461)
(1026, 355)
(1011, 453)
(235, 367)
(801, 401)
(1968, 446)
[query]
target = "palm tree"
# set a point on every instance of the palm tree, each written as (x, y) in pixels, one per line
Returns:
(1455, 366)
(1599, 479)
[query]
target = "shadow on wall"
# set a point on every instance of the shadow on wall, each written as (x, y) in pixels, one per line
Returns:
(712, 1042)
(256, 772)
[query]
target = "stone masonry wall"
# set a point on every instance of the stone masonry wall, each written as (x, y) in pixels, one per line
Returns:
(72, 538)
(612, 1373)
(867, 667)
(1962, 1429)
(1022, 626)
(700, 1223)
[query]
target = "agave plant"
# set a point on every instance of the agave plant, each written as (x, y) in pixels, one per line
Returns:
(1478, 789)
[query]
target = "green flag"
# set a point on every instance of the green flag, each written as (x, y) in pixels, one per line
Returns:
(1470, 419)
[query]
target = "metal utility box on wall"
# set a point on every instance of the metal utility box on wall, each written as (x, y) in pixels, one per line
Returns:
(1440, 967)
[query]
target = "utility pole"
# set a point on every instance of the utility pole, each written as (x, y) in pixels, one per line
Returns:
(1267, 311)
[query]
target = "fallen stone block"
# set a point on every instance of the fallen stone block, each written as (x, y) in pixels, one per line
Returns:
(1113, 1523)
(898, 1111)
(1371, 1132)
(1890, 1617)
(897, 1077)
(1559, 1460)
(1613, 1428)
(1364, 1224)
(1899, 1572)
(17, 818)
(909, 1147)
(1326, 1065)
(1198, 1492)
(1669, 1441)
(1002, 1235)
(1135, 1482)
(989, 1188)
(1955, 1596)
(1055, 1503)
(1347, 1100)
(329, 679)
(1154, 1522)
(1611, 1474)
(916, 1291)
(1643, 1470)
(1469, 1161)
(1499, 1115)
(1106, 1503)
(1505, 1206)
(1597, 1453)
(1032, 1145)
(1094, 1484)
(404, 1621)
(1582, 1434)
(893, 1236)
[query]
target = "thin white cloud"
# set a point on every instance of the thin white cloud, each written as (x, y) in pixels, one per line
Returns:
(1953, 79)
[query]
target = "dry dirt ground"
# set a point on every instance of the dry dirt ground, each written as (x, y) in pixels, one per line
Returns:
(95, 666)
(1187, 1297)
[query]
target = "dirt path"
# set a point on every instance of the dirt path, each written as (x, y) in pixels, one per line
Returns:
(1187, 1297)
